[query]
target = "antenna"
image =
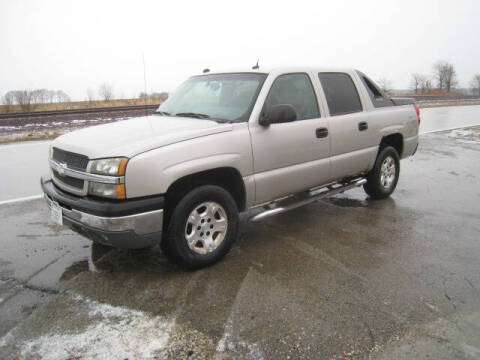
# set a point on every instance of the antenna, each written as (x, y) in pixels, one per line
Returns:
(144, 79)
(207, 70)
(256, 67)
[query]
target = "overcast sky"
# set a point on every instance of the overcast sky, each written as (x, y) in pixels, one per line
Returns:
(73, 45)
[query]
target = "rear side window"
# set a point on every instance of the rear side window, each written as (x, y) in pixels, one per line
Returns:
(379, 99)
(296, 90)
(341, 93)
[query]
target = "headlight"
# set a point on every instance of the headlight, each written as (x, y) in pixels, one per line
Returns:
(109, 167)
(113, 191)
(112, 167)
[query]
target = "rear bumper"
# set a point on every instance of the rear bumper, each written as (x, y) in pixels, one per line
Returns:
(410, 146)
(128, 224)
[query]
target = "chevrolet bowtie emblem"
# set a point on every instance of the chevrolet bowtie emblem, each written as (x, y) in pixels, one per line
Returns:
(61, 168)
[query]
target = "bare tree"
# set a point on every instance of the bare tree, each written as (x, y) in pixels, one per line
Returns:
(416, 82)
(51, 95)
(475, 84)
(445, 75)
(40, 96)
(8, 100)
(24, 99)
(450, 77)
(44, 95)
(90, 94)
(105, 91)
(61, 96)
(426, 85)
(420, 84)
(438, 74)
(385, 85)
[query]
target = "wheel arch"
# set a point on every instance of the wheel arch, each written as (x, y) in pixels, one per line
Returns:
(394, 140)
(228, 178)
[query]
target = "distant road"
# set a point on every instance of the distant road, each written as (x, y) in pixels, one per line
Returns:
(449, 117)
(24, 163)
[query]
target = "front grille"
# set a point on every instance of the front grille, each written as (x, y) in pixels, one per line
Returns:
(67, 180)
(73, 161)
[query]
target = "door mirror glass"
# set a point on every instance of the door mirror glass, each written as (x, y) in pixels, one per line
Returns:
(275, 114)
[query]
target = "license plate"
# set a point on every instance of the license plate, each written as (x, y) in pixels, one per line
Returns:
(56, 213)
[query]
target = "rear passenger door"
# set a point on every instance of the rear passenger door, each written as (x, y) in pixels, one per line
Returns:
(352, 141)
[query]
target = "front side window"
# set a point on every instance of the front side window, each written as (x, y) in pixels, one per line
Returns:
(341, 93)
(295, 90)
(220, 97)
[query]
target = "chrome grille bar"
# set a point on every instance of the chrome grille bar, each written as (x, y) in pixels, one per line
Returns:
(63, 170)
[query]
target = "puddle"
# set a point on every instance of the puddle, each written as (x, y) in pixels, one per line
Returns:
(347, 202)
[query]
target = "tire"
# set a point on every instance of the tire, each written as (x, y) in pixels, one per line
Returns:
(388, 165)
(202, 228)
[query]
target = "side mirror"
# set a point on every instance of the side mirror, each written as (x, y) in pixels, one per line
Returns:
(275, 114)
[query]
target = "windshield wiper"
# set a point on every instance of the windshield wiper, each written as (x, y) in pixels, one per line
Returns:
(193, 115)
(163, 113)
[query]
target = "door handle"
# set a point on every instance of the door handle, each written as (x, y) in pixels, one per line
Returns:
(363, 125)
(321, 132)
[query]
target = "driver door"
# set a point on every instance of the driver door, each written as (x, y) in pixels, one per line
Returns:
(293, 156)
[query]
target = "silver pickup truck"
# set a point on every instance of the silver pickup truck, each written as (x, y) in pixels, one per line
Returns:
(225, 143)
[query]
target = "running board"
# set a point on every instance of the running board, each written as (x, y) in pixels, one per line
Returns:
(295, 201)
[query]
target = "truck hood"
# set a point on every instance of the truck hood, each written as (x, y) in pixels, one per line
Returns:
(134, 136)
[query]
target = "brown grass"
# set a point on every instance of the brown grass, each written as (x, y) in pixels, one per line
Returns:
(79, 105)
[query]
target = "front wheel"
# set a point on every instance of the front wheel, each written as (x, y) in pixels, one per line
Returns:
(382, 179)
(202, 228)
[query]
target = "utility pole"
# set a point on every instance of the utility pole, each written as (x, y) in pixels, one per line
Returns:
(145, 82)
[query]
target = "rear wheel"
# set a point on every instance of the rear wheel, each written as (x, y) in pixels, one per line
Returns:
(382, 179)
(202, 228)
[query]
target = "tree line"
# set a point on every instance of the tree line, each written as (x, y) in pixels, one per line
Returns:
(27, 99)
(106, 93)
(442, 79)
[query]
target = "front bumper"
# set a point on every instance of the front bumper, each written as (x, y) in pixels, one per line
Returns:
(131, 224)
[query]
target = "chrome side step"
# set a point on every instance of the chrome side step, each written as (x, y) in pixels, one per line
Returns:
(305, 198)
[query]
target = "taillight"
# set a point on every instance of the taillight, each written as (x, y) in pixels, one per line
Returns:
(417, 110)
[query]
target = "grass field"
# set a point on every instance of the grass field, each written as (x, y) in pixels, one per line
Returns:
(79, 105)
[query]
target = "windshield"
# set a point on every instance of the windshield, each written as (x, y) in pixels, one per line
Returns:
(220, 97)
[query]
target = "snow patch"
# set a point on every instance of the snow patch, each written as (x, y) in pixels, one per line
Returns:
(465, 135)
(460, 133)
(4, 127)
(232, 344)
(115, 333)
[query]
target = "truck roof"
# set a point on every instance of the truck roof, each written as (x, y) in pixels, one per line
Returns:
(268, 70)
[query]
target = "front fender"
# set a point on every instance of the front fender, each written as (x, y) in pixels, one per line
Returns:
(154, 171)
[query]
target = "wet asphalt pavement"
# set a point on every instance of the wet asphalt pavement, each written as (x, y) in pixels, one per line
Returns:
(339, 279)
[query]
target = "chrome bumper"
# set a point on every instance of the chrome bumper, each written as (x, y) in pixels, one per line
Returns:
(141, 224)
